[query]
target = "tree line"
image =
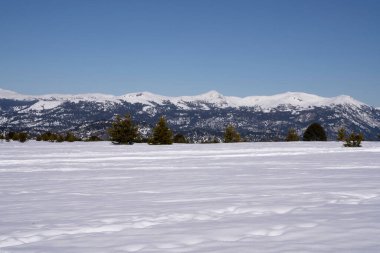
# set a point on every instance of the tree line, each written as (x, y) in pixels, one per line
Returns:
(47, 136)
(315, 132)
(125, 131)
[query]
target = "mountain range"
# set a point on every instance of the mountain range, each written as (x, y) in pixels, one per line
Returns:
(201, 118)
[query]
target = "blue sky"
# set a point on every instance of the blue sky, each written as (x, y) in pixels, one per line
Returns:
(178, 47)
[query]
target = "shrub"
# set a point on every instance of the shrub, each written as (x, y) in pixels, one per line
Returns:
(51, 137)
(341, 134)
(22, 137)
(180, 138)
(315, 132)
(16, 136)
(231, 135)
(70, 137)
(13, 136)
(210, 140)
(354, 140)
(48, 136)
(292, 135)
(94, 138)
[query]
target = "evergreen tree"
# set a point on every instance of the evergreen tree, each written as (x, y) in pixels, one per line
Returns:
(70, 137)
(22, 137)
(341, 134)
(354, 140)
(315, 132)
(162, 135)
(292, 135)
(13, 136)
(59, 138)
(231, 135)
(180, 138)
(47, 136)
(123, 131)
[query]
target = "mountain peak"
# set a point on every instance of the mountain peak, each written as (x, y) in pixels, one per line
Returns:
(200, 116)
(8, 94)
(212, 94)
(295, 99)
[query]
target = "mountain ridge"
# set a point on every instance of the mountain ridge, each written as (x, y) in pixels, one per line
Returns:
(201, 117)
(301, 99)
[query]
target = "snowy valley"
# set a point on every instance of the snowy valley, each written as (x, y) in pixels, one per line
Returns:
(222, 198)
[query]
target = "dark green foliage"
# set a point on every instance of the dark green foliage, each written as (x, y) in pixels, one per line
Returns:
(354, 140)
(180, 138)
(70, 137)
(54, 137)
(162, 135)
(123, 131)
(315, 132)
(12, 136)
(292, 135)
(60, 138)
(16, 136)
(22, 137)
(49, 136)
(94, 138)
(1, 137)
(44, 137)
(341, 134)
(231, 135)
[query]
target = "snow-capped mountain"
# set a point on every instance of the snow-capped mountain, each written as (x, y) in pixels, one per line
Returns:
(205, 115)
(295, 99)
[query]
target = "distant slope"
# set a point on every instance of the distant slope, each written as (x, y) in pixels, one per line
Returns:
(200, 117)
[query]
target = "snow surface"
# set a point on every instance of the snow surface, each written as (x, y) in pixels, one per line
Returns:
(297, 99)
(245, 197)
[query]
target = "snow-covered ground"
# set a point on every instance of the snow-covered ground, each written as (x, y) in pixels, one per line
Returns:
(245, 197)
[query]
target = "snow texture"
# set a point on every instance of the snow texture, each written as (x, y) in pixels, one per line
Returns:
(245, 197)
(296, 99)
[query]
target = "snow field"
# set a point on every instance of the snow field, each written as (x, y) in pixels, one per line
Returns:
(244, 197)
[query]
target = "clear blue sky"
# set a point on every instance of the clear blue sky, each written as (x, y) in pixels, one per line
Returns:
(187, 47)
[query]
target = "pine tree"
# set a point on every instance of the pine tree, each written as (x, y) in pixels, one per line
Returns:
(341, 134)
(315, 132)
(13, 136)
(354, 140)
(231, 135)
(123, 131)
(162, 135)
(22, 137)
(292, 135)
